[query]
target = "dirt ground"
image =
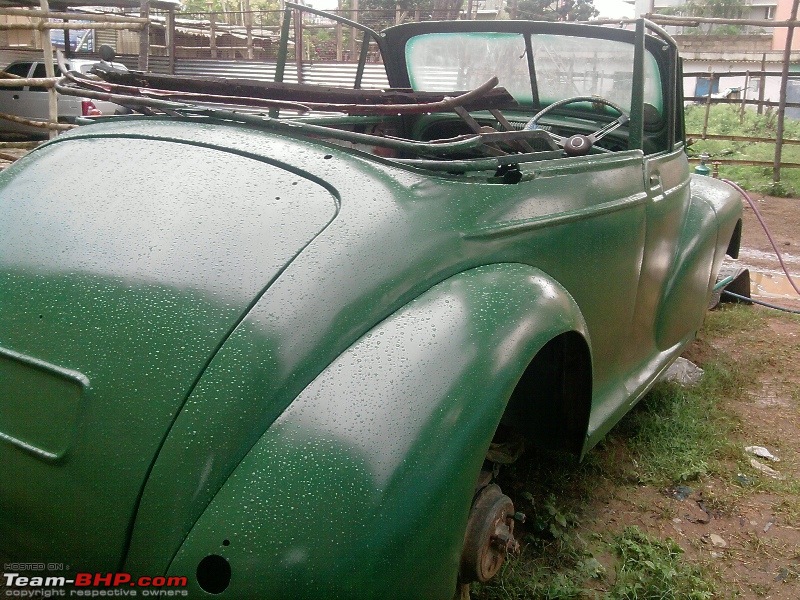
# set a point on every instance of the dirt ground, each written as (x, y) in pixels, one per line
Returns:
(782, 216)
(747, 536)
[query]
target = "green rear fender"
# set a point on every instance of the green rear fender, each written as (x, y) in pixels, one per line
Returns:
(362, 487)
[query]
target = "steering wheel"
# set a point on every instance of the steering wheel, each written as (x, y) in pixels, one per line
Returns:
(578, 145)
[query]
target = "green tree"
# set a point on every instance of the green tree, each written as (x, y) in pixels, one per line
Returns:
(556, 10)
(227, 6)
(724, 9)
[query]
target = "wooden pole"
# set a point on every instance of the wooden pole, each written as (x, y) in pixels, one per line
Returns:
(48, 26)
(213, 32)
(761, 83)
(49, 69)
(170, 32)
(787, 55)
(354, 17)
(744, 97)
(708, 102)
(248, 25)
(339, 39)
(67, 47)
(144, 36)
(298, 44)
(99, 18)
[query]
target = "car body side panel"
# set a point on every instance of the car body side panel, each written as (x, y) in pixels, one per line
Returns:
(398, 233)
(680, 308)
(113, 298)
(685, 245)
(374, 464)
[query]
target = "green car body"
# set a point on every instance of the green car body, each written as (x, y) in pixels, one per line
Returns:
(252, 357)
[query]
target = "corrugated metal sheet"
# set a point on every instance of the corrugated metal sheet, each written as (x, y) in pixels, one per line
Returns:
(105, 36)
(318, 73)
(7, 56)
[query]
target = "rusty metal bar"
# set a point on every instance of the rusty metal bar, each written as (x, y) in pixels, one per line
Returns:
(362, 60)
(283, 46)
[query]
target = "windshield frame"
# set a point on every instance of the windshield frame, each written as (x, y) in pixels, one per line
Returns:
(646, 39)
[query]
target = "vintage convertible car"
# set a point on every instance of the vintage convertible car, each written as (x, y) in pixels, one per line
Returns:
(271, 353)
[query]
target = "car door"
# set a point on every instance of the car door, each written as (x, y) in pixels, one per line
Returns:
(12, 99)
(31, 101)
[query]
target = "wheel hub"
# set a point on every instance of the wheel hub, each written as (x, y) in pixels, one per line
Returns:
(490, 535)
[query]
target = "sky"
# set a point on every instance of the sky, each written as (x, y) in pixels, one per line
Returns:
(612, 9)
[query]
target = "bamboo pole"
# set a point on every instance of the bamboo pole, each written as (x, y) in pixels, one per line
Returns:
(248, 25)
(100, 18)
(19, 145)
(787, 55)
(339, 39)
(298, 44)
(761, 83)
(11, 82)
(708, 102)
(744, 96)
(354, 17)
(47, 26)
(40, 124)
(694, 21)
(144, 36)
(49, 69)
(170, 32)
(213, 33)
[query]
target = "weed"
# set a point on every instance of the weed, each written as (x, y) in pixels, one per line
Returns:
(652, 568)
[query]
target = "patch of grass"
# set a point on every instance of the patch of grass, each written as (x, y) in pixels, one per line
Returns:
(732, 318)
(729, 120)
(680, 434)
(650, 568)
(522, 579)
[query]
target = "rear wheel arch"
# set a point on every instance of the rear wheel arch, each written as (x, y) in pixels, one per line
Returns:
(551, 402)
(736, 240)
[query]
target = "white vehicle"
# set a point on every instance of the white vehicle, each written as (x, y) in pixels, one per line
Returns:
(30, 102)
